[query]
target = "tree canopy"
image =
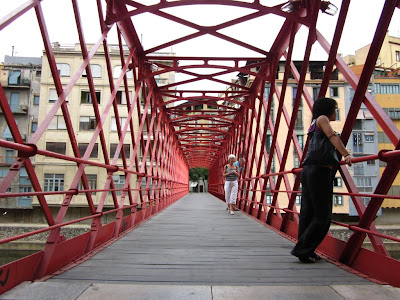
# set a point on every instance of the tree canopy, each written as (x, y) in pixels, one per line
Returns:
(196, 173)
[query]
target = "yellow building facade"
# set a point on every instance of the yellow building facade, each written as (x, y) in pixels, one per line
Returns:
(387, 95)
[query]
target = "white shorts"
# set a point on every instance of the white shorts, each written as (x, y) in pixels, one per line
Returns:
(231, 191)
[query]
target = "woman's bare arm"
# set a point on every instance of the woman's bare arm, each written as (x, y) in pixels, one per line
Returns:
(323, 123)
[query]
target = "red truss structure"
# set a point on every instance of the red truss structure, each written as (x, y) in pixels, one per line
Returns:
(184, 134)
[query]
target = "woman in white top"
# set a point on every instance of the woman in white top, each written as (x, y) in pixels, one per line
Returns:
(231, 174)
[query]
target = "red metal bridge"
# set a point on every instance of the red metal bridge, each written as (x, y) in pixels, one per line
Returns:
(168, 137)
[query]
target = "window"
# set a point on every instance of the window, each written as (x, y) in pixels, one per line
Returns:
(119, 182)
(357, 125)
(57, 147)
(358, 169)
(122, 123)
(370, 162)
(87, 99)
(300, 137)
(364, 181)
(296, 161)
(364, 184)
(273, 165)
(7, 133)
(294, 97)
(337, 200)
(23, 178)
(83, 146)
(36, 100)
(14, 77)
(268, 195)
(266, 92)
(298, 200)
(268, 143)
(120, 97)
(369, 138)
(294, 92)
(334, 91)
(24, 187)
(383, 138)
(3, 173)
(14, 102)
(117, 72)
(145, 180)
(53, 182)
(381, 88)
(272, 114)
(299, 119)
(34, 126)
(39, 73)
(96, 71)
(10, 154)
(357, 143)
(64, 70)
(87, 123)
(57, 123)
(92, 183)
(397, 55)
(337, 181)
(53, 97)
(113, 148)
(337, 114)
(198, 107)
(315, 91)
(394, 113)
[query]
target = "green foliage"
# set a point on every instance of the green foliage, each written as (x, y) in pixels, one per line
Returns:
(196, 173)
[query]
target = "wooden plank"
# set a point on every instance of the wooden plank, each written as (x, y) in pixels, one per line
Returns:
(195, 241)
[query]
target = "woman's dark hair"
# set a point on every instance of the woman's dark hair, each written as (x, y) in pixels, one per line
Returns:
(323, 106)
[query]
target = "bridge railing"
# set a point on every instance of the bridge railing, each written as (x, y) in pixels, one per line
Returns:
(284, 220)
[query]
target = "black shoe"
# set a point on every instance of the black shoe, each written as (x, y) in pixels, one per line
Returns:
(307, 259)
(315, 256)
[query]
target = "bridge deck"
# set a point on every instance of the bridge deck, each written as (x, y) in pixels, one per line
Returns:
(195, 241)
(195, 250)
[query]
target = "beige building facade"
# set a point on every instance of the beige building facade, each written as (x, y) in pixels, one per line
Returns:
(304, 117)
(389, 56)
(56, 174)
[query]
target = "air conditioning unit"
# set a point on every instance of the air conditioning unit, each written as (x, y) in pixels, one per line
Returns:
(24, 107)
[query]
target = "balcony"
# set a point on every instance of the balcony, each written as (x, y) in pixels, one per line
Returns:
(15, 79)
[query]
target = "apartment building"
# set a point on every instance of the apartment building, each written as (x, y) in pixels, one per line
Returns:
(387, 95)
(363, 142)
(20, 79)
(385, 87)
(57, 175)
(313, 81)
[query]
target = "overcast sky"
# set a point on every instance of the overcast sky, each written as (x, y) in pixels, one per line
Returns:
(25, 36)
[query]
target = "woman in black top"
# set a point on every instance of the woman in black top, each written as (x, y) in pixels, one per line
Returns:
(317, 180)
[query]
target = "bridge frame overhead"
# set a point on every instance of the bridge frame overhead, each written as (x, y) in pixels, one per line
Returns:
(183, 139)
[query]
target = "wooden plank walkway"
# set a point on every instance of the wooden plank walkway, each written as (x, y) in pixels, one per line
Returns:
(196, 242)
